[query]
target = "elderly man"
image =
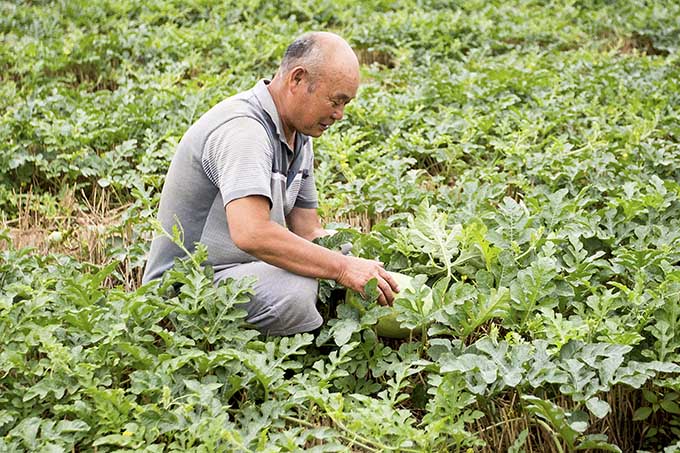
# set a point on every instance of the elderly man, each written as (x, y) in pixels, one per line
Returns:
(242, 183)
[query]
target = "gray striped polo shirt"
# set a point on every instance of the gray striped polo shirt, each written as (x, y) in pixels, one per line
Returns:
(234, 150)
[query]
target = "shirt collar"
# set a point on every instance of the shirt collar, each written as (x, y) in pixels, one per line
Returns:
(267, 102)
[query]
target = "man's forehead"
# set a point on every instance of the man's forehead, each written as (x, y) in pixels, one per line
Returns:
(342, 80)
(343, 89)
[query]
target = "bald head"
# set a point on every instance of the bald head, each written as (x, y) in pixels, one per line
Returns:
(318, 77)
(320, 53)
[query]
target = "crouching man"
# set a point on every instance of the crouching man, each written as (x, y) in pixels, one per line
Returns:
(242, 184)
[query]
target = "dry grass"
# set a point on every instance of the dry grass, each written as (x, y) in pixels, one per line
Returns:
(633, 44)
(363, 222)
(74, 224)
(372, 56)
(506, 419)
(80, 222)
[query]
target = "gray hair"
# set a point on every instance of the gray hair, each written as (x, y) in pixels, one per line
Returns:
(304, 51)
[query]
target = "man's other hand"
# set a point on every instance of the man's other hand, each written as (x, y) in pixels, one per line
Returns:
(356, 272)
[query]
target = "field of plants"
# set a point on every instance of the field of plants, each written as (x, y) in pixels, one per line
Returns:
(520, 159)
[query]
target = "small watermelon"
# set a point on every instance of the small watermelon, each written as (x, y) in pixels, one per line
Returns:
(388, 326)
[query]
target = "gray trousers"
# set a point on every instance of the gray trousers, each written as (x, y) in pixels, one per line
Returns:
(284, 303)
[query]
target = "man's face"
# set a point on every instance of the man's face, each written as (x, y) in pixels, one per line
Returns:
(321, 101)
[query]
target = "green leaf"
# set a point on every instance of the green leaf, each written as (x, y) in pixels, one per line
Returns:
(27, 430)
(670, 407)
(513, 222)
(650, 396)
(533, 289)
(343, 330)
(597, 407)
(597, 442)
(72, 426)
(478, 370)
(118, 440)
(517, 445)
(430, 233)
(642, 413)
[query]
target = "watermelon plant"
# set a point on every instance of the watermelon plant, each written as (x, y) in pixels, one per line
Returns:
(513, 164)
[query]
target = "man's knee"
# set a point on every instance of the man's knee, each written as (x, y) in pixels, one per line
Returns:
(295, 308)
(283, 304)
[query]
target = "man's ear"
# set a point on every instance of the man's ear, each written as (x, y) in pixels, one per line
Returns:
(296, 75)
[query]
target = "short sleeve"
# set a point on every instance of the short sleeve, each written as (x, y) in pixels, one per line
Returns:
(307, 196)
(237, 158)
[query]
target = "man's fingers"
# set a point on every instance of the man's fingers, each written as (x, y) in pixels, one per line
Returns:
(386, 297)
(386, 292)
(391, 281)
(386, 284)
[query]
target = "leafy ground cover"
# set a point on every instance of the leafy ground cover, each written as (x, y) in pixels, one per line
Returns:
(519, 158)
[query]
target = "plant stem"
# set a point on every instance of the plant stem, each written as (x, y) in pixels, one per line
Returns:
(378, 446)
(554, 437)
(346, 439)
(499, 424)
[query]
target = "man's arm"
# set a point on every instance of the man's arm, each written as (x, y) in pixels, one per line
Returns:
(253, 232)
(306, 223)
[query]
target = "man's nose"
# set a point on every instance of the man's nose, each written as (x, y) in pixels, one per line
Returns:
(338, 113)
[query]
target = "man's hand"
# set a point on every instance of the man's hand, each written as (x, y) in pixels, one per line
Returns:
(356, 272)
